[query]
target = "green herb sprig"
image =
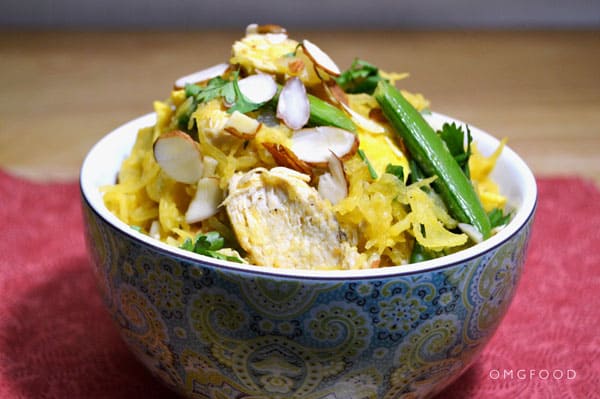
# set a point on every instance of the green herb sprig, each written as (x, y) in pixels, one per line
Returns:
(229, 90)
(361, 77)
(454, 137)
(209, 244)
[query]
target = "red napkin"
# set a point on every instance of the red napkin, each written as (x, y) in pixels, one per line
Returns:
(57, 341)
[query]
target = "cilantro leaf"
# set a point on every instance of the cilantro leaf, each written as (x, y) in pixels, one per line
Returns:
(209, 244)
(195, 95)
(192, 90)
(184, 113)
(218, 255)
(211, 241)
(361, 77)
(228, 93)
(396, 170)
(454, 137)
(213, 89)
(498, 218)
(229, 90)
(188, 245)
(242, 103)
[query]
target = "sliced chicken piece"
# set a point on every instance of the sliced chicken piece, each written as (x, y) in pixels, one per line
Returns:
(281, 221)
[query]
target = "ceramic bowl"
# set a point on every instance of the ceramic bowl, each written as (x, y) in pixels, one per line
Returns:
(214, 329)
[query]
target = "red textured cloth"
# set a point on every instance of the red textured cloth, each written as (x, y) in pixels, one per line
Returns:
(57, 341)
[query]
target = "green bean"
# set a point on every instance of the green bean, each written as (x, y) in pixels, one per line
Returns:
(325, 114)
(421, 254)
(433, 157)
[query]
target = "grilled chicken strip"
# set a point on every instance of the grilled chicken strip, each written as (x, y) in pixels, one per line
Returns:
(281, 221)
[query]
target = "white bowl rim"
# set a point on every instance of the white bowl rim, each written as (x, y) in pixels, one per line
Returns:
(91, 195)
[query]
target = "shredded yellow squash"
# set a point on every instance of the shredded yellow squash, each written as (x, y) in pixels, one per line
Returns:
(385, 215)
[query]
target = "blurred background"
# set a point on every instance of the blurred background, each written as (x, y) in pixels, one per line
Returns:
(529, 70)
(203, 14)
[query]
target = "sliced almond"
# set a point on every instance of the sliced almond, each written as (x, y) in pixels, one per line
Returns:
(262, 29)
(336, 167)
(270, 28)
(242, 126)
(315, 145)
(308, 74)
(252, 29)
(335, 91)
(258, 88)
(201, 76)
(206, 202)
(178, 155)
(333, 185)
(293, 107)
(471, 231)
(210, 167)
(283, 156)
(340, 97)
(320, 58)
(364, 123)
(295, 66)
(321, 91)
(273, 33)
(377, 115)
(276, 38)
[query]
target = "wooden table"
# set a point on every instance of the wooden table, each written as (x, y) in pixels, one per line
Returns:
(62, 91)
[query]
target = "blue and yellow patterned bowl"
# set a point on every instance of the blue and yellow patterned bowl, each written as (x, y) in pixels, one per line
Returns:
(214, 329)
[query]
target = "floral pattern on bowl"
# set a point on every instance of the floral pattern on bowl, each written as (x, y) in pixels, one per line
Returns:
(214, 329)
(220, 333)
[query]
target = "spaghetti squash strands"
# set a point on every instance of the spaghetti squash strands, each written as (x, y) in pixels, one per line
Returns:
(268, 152)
